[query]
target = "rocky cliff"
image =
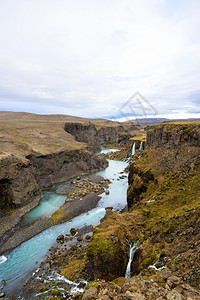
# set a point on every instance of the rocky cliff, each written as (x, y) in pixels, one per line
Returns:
(94, 136)
(34, 154)
(174, 134)
(164, 215)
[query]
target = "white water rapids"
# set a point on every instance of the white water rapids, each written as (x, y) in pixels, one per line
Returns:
(3, 258)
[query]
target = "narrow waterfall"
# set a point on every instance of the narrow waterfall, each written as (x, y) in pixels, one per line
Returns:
(132, 249)
(141, 146)
(133, 149)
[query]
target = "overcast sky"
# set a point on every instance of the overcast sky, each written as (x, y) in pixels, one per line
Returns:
(88, 57)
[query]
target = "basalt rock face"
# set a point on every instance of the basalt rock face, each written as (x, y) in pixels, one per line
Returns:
(57, 167)
(108, 134)
(84, 133)
(94, 137)
(164, 188)
(141, 180)
(173, 135)
(19, 181)
(178, 150)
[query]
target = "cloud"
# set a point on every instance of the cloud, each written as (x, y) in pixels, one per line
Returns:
(88, 57)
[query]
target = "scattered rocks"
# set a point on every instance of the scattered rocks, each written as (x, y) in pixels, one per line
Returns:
(73, 231)
(60, 239)
(81, 187)
(137, 288)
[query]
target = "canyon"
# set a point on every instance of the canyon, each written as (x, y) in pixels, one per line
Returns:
(162, 197)
(37, 151)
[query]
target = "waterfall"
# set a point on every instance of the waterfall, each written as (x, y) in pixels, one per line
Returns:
(141, 146)
(132, 249)
(133, 149)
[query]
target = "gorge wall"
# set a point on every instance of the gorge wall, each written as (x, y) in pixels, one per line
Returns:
(37, 151)
(164, 212)
(173, 135)
(94, 136)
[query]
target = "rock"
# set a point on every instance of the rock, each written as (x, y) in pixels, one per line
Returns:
(60, 239)
(104, 297)
(77, 296)
(3, 282)
(73, 231)
(88, 237)
(173, 135)
(173, 281)
(134, 296)
(165, 273)
(81, 285)
(90, 293)
(174, 295)
(107, 192)
(108, 214)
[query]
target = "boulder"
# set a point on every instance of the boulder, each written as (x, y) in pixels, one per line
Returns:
(91, 293)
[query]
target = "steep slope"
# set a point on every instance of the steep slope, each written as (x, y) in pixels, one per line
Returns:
(164, 215)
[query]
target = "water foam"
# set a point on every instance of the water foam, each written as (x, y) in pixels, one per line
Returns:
(3, 259)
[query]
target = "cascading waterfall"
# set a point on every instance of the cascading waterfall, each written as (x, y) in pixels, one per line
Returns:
(132, 249)
(141, 146)
(133, 149)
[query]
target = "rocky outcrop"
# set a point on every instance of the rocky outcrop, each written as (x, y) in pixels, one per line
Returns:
(60, 166)
(138, 181)
(19, 181)
(173, 135)
(22, 179)
(94, 136)
(84, 132)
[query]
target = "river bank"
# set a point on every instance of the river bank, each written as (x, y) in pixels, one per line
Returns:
(38, 245)
(94, 186)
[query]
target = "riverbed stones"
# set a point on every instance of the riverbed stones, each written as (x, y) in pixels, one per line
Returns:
(73, 231)
(60, 239)
(2, 295)
(79, 188)
(3, 282)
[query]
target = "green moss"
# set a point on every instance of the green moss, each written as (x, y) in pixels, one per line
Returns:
(55, 292)
(149, 260)
(58, 215)
(120, 281)
(150, 131)
(93, 284)
(42, 288)
(75, 268)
